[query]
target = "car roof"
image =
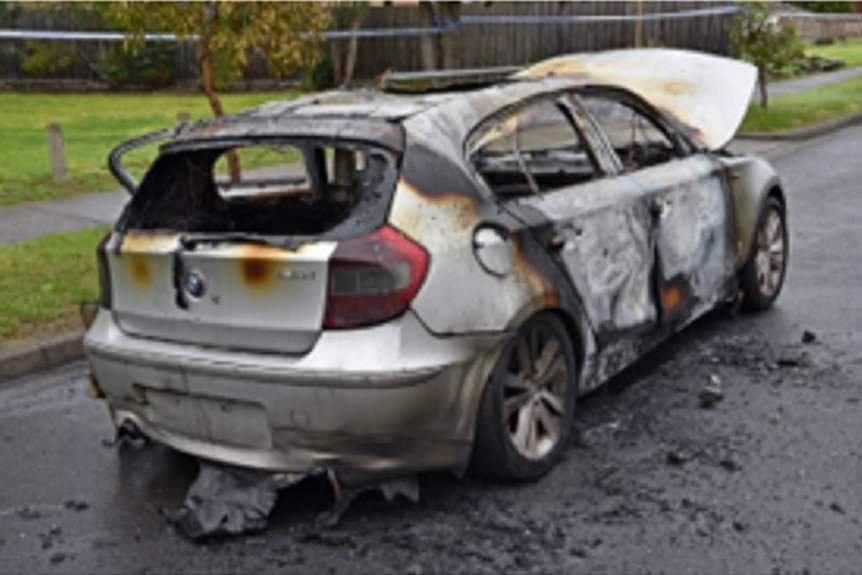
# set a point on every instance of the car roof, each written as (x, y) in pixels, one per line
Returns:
(381, 105)
(371, 113)
(394, 106)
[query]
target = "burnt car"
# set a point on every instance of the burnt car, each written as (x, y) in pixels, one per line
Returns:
(428, 275)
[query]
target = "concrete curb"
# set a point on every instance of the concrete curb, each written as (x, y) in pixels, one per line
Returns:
(803, 134)
(45, 354)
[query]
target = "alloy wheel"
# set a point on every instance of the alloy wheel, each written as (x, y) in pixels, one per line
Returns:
(534, 391)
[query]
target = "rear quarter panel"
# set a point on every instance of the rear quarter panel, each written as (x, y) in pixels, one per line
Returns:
(751, 180)
(436, 204)
(439, 204)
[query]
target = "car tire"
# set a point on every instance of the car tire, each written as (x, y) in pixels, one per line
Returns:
(527, 407)
(762, 276)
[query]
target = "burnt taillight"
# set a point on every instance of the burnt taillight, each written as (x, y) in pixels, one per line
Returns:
(373, 278)
(105, 294)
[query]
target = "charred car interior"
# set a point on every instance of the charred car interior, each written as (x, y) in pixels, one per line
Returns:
(191, 190)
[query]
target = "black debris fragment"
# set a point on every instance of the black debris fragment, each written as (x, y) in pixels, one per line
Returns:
(54, 535)
(837, 508)
(27, 513)
(58, 558)
(808, 336)
(730, 465)
(407, 487)
(788, 361)
(679, 457)
(711, 393)
(75, 505)
(226, 500)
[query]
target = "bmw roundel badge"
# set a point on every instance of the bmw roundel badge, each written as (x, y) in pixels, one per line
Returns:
(194, 284)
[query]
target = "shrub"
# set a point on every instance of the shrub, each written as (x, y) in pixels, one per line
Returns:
(152, 67)
(321, 76)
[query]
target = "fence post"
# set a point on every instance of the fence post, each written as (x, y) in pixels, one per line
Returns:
(57, 152)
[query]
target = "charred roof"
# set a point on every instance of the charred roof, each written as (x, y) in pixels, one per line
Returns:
(366, 106)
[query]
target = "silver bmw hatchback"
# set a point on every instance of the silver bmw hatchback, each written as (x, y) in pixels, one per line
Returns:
(428, 275)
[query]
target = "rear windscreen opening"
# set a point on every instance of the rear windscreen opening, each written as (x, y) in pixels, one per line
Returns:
(295, 188)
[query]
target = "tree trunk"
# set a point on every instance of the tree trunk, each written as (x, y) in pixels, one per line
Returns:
(429, 42)
(352, 51)
(761, 81)
(336, 51)
(450, 43)
(208, 85)
(344, 51)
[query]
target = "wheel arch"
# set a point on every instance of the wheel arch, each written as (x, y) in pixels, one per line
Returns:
(577, 327)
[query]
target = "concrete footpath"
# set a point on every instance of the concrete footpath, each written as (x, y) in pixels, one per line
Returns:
(21, 223)
(785, 87)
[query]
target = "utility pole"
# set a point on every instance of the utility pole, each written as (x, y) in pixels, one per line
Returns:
(639, 24)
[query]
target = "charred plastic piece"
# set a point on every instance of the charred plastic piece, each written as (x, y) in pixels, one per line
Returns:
(228, 500)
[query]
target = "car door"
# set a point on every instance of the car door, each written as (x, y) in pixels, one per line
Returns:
(687, 198)
(598, 228)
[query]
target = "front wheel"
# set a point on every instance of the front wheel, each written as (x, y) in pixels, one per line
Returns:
(526, 411)
(762, 276)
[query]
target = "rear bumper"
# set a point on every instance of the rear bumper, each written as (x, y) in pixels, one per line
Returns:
(387, 398)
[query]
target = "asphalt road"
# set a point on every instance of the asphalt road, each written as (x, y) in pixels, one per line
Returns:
(764, 482)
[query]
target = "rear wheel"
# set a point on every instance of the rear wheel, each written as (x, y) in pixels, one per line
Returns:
(762, 276)
(526, 411)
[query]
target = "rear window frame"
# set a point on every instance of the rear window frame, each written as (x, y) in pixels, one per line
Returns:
(370, 213)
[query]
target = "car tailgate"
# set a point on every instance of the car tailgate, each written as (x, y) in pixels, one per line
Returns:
(220, 293)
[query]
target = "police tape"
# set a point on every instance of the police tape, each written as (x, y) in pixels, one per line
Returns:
(443, 27)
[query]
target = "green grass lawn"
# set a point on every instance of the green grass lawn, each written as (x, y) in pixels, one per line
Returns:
(92, 125)
(849, 50)
(42, 282)
(805, 108)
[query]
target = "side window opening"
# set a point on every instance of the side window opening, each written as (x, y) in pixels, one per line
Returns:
(635, 138)
(533, 150)
(285, 188)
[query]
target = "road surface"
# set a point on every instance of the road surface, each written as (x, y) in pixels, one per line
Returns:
(766, 481)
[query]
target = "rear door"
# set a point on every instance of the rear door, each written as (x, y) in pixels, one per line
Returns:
(687, 199)
(597, 227)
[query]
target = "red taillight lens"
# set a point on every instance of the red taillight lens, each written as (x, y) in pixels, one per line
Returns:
(373, 278)
(105, 294)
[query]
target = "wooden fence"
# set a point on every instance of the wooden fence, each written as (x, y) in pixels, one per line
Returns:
(480, 44)
(849, 26)
(512, 44)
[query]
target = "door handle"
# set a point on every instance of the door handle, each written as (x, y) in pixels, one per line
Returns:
(656, 207)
